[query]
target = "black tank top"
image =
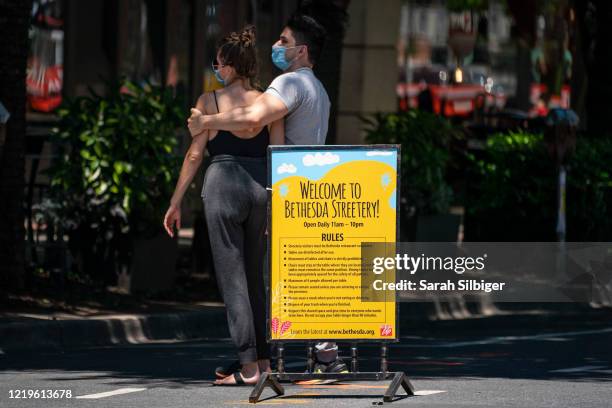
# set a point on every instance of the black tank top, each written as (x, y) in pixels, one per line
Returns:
(226, 142)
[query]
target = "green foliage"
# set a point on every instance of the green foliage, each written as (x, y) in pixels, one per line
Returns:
(514, 169)
(589, 193)
(464, 5)
(117, 164)
(512, 193)
(425, 156)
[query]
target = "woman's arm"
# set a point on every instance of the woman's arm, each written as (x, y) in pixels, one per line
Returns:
(191, 164)
(193, 160)
(277, 132)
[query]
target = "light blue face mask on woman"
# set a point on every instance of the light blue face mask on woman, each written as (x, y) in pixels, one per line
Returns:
(218, 76)
(279, 59)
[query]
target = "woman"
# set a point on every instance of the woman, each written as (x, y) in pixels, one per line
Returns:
(235, 201)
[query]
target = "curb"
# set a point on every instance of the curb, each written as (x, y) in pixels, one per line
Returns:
(211, 323)
(113, 330)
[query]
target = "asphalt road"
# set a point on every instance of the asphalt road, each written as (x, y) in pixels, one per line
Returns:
(566, 366)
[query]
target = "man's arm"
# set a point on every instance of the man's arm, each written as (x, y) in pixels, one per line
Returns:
(277, 132)
(264, 110)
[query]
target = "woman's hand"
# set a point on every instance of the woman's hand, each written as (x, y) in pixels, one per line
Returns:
(173, 215)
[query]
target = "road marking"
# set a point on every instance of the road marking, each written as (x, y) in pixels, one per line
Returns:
(295, 399)
(424, 393)
(504, 339)
(342, 386)
(281, 401)
(111, 393)
(315, 381)
(577, 369)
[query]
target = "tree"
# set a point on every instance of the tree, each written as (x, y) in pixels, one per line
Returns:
(595, 31)
(333, 17)
(14, 25)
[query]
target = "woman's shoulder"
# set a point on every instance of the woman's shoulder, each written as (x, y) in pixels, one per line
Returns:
(207, 101)
(253, 94)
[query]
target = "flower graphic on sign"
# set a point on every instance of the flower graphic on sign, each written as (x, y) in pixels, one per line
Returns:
(274, 325)
(284, 327)
(277, 327)
(284, 190)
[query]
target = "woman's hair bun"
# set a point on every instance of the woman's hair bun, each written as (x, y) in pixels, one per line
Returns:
(238, 50)
(247, 36)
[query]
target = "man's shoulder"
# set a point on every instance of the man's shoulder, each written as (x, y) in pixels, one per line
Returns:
(302, 78)
(285, 77)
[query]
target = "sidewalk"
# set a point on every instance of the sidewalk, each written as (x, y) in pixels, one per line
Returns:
(173, 321)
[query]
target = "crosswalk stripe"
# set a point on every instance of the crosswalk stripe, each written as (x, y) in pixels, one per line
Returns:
(424, 393)
(111, 393)
(577, 369)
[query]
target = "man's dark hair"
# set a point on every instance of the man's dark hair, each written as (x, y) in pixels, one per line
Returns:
(308, 32)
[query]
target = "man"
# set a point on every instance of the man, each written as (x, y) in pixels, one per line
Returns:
(299, 97)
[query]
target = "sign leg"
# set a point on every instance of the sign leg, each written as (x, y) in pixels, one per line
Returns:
(354, 367)
(309, 358)
(398, 379)
(265, 380)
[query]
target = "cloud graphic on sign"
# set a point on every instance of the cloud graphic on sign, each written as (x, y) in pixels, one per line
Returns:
(320, 159)
(286, 168)
(379, 153)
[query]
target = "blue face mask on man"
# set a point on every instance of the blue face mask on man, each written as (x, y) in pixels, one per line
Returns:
(279, 59)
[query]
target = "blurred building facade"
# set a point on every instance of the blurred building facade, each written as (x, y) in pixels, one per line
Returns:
(390, 54)
(486, 55)
(369, 69)
(464, 60)
(459, 62)
(172, 42)
(169, 42)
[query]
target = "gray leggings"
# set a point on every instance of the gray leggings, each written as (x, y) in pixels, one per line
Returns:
(235, 205)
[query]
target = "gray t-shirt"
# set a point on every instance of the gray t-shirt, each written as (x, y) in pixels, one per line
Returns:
(308, 106)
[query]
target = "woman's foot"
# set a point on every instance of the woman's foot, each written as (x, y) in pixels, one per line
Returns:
(264, 366)
(249, 374)
(222, 372)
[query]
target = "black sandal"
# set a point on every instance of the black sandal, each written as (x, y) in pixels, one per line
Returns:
(239, 381)
(222, 372)
(238, 378)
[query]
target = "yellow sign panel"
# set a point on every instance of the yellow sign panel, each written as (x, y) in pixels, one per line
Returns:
(327, 201)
